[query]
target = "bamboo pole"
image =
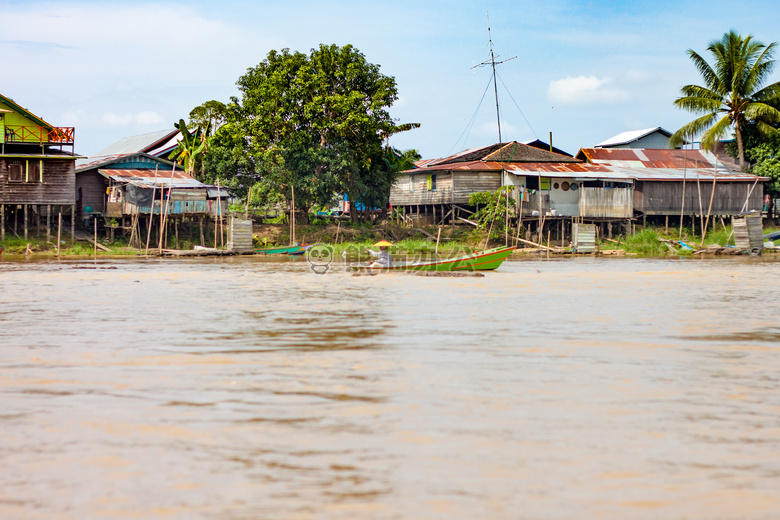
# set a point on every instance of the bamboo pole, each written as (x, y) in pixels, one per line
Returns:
(151, 210)
(164, 212)
(682, 205)
(712, 197)
(492, 221)
(519, 220)
(538, 246)
(438, 236)
(548, 243)
(59, 234)
(133, 230)
(506, 218)
(744, 206)
(292, 215)
(221, 218)
(248, 196)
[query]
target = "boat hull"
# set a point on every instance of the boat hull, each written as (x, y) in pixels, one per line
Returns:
(289, 250)
(478, 261)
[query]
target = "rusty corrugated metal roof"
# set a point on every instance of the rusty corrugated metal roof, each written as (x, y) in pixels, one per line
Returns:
(654, 158)
(614, 164)
(153, 178)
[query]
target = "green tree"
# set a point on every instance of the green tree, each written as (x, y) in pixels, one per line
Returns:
(734, 92)
(228, 162)
(492, 206)
(211, 113)
(766, 163)
(314, 124)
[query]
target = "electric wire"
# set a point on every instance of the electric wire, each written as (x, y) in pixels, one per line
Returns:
(470, 124)
(518, 107)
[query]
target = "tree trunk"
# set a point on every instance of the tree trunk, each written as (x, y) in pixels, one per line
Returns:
(740, 146)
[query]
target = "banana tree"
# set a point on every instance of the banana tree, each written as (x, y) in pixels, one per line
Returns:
(192, 147)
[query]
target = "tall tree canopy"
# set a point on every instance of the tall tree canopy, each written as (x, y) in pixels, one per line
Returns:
(733, 93)
(314, 124)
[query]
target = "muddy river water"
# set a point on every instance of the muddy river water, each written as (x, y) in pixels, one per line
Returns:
(251, 388)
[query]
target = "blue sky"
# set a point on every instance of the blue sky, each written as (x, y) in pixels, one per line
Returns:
(584, 71)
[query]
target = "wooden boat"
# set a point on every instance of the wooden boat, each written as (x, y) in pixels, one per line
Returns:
(477, 261)
(297, 249)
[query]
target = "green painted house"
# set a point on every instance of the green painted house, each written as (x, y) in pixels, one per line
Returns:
(37, 170)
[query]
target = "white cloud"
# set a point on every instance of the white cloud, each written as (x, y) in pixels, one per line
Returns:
(585, 90)
(112, 119)
(146, 118)
(149, 119)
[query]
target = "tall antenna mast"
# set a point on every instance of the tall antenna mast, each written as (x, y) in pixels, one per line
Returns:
(492, 62)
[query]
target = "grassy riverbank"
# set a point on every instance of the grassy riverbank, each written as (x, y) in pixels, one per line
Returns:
(651, 241)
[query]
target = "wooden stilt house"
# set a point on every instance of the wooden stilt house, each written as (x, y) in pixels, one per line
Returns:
(681, 182)
(37, 176)
(546, 186)
(126, 190)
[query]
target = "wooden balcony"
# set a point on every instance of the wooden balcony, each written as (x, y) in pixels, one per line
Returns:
(62, 135)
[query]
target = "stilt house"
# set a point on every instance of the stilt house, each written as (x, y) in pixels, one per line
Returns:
(675, 182)
(37, 177)
(545, 184)
(124, 185)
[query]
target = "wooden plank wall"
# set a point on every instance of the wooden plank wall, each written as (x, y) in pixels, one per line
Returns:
(93, 190)
(606, 202)
(665, 198)
(402, 195)
(58, 186)
(467, 183)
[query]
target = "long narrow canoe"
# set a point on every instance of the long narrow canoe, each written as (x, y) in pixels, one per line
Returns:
(477, 261)
(288, 250)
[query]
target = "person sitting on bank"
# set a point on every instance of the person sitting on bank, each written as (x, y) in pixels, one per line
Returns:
(383, 258)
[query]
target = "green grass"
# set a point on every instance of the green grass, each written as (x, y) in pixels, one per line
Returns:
(646, 241)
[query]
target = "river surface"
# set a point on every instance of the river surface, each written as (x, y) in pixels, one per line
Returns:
(252, 388)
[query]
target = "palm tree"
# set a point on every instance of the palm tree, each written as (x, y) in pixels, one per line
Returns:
(734, 92)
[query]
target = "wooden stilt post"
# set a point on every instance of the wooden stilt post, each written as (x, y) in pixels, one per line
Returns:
(25, 220)
(2, 222)
(73, 225)
(94, 237)
(48, 223)
(548, 243)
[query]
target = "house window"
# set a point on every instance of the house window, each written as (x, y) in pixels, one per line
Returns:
(411, 184)
(16, 172)
(432, 182)
(33, 172)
